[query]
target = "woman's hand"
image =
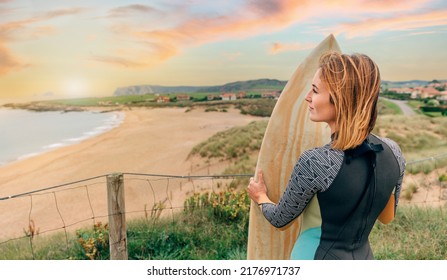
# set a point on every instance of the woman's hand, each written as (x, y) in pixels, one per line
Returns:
(258, 190)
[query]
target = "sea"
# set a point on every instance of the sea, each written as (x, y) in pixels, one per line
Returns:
(24, 133)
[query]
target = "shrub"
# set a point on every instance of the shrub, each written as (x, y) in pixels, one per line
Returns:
(95, 243)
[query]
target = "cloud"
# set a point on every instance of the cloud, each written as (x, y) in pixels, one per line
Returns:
(131, 10)
(410, 22)
(59, 12)
(25, 29)
(193, 29)
(183, 27)
(361, 7)
(8, 62)
(281, 47)
(232, 55)
(117, 61)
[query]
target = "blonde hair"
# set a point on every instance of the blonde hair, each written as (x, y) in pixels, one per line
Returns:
(354, 83)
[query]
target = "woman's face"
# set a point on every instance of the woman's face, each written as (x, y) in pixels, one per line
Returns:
(320, 107)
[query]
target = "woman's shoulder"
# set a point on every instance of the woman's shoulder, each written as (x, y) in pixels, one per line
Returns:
(323, 154)
(395, 148)
(389, 142)
(319, 166)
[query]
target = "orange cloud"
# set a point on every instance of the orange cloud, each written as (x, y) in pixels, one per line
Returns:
(359, 8)
(24, 30)
(369, 27)
(118, 61)
(257, 16)
(8, 62)
(131, 10)
(58, 13)
(281, 47)
(166, 37)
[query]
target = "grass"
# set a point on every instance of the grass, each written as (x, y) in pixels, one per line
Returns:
(386, 107)
(418, 136)
(415, 234)
(409, 191)
(213, 226)
(201, 234)
(233, 143)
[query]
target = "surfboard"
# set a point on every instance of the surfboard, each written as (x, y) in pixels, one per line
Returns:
(289, 132)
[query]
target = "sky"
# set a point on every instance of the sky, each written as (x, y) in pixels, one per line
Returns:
(88, 48)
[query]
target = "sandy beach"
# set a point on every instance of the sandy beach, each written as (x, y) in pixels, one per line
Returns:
(155, 141)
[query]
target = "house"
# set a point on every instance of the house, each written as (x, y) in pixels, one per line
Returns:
(427, 92)
(401, 90)
(271, 94)
(163, 99)
(183, 97)
(229, 96)
(421, 92)
(442, 96)
(241, 95)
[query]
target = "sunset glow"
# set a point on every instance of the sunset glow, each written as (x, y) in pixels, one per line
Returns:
(64, 49)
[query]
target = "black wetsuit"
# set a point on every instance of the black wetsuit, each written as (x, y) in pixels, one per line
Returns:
(352, 188)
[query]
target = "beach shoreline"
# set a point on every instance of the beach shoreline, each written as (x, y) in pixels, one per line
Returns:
(29, 133)
(156, 141)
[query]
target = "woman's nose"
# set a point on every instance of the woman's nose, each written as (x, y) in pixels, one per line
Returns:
(309, 96)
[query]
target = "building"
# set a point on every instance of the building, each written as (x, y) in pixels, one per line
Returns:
(418, 92)
(228, 96)
(271, 94)
(241, 95)
(163, 99)
(183, 97)
(442, 96)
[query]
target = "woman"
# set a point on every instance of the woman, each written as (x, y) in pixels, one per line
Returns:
(356, 178)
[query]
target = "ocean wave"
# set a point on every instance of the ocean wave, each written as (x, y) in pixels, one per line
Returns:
(103, 126)
(53, 146)
(29, 155)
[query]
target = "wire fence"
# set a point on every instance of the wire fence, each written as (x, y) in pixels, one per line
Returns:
(62, 213)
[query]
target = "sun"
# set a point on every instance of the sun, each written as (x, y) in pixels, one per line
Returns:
(75, 87)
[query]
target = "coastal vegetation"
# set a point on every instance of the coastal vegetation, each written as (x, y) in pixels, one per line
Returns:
(203, 232)
(215, 225)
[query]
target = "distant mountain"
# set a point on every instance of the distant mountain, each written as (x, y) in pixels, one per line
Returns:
(230, 87)
(247, 85)
(259, 84)
(148, 89)
(411, 83)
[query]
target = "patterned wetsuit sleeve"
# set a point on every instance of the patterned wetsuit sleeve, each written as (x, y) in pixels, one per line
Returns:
(315, 171)
(401, 161)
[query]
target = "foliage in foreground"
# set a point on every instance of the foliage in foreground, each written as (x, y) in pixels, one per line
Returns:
(202, 233)
(415, 234)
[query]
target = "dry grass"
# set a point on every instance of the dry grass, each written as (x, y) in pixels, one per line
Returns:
(418, 136)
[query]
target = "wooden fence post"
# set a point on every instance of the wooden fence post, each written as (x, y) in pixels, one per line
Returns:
(117, 217)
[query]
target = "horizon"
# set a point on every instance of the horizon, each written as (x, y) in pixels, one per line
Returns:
(83, 48)
(48, 98)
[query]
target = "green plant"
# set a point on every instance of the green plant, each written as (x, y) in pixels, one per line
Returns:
(227, 205)
(96, 242)
(442, 178)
